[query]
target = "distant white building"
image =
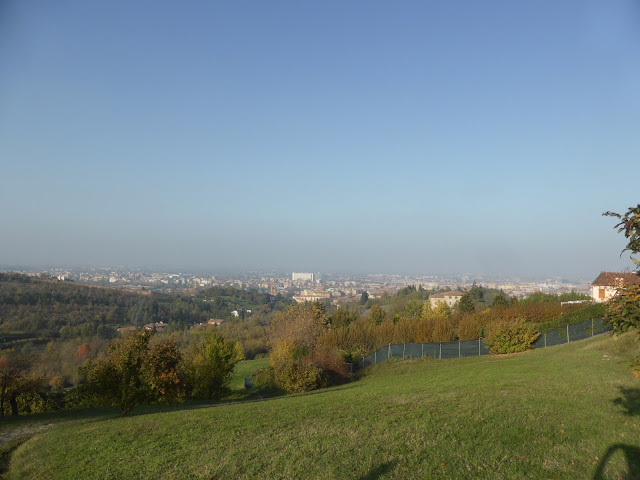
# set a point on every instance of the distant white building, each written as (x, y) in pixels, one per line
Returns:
(305, 277)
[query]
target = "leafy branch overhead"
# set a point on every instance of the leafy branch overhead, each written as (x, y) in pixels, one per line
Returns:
(630, 225)
(623, 311)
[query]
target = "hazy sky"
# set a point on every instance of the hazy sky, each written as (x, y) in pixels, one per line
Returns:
(413, 136)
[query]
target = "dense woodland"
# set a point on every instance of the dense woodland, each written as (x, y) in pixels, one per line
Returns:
(41, 309)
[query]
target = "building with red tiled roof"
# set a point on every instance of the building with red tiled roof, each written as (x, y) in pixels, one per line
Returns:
(449, 298)
(607, 284)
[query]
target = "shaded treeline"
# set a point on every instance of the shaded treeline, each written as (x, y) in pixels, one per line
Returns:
(44, 308)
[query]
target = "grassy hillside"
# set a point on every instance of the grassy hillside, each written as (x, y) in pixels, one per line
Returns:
(550, 413)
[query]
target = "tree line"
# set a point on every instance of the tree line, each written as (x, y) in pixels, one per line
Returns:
(137, 368)
(45, 308)
(312, 344)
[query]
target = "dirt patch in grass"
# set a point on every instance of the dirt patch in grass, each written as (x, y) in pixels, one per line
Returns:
(22, 432)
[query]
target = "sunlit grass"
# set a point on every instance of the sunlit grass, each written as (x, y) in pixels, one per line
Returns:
(549, 413)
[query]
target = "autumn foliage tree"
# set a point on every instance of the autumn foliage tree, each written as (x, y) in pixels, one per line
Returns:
(163, 374)
(134, 374)
(301, 325)
(297, 362)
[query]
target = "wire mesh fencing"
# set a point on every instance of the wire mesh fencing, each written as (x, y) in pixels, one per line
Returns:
(474, 348)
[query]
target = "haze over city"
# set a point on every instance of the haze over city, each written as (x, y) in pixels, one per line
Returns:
(359, 136)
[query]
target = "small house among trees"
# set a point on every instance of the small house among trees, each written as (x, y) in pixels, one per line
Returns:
(607, 284)
(448, 298)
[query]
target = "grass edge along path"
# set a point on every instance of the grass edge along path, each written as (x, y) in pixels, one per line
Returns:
(549, 413)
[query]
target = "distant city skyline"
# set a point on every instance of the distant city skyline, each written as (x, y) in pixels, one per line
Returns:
(454, 277)
(305, 286)
(347, 137)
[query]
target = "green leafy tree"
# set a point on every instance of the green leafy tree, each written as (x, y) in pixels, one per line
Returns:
(412, 309)
(376, 315)
(477, 292)
(500, 301)
(466, 304)
(630, 225)
(13, 380)
(121, 379)
(441, 310)
(343, 317)
(364, 297)
(427, 311)
(624, 309)
(209, 365)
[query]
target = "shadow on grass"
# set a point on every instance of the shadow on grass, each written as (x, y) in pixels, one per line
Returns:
(95, 414)
(378, 471)
(630, 400)
(92, 413)
(632, 456)
(5, 456)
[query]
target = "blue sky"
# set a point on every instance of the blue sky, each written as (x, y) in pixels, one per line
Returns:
(359, 136)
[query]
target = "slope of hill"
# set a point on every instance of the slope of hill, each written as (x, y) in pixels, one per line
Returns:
(567, 412)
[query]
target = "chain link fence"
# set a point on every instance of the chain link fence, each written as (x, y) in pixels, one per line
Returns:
(474, 348)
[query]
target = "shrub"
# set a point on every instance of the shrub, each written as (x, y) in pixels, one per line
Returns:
(296, 376)
(209, 364)
(294, 373)
(511, 337)
(332, 362)
(262, 377)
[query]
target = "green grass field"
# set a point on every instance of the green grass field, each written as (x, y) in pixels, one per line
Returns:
(566, 412)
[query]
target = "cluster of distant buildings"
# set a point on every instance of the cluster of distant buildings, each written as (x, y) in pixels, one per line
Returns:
(603, 288)
(310, 286)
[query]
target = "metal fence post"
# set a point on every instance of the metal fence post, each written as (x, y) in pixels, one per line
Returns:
(440, 350)
(592, 327)
(545, 339)
(479, 348)
(389, 353)
(422, 345)
(459, 349)
(567, 333)
(375, 357)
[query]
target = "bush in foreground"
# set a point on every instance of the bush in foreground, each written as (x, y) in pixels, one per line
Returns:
(511, 337)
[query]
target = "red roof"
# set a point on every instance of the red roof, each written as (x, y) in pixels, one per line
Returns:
(455, 293)
(614, 279)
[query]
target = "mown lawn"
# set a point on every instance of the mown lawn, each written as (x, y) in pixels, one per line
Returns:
(571, 411)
